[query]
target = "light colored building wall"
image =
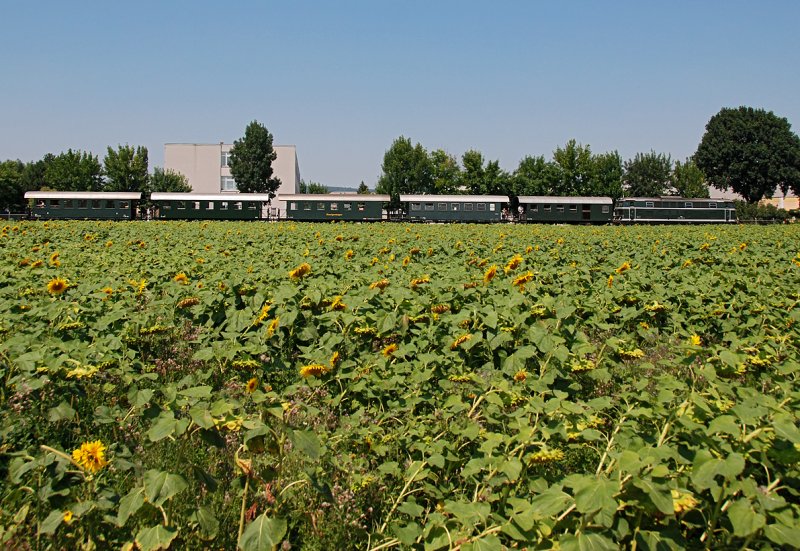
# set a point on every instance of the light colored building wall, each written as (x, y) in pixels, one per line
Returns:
(203, 166)
(786, 203)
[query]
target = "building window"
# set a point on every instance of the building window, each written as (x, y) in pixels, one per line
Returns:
(227, 183)
(224, 159)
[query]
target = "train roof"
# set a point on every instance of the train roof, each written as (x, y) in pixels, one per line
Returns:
(549, 199)
(245, 197)
(129, 195)
(357, 197)
(676, 198)
(454, 198)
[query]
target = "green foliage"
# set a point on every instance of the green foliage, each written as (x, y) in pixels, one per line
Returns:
(251, 161)
(168, 181)
(688, 180)
(313, 187)
(406, 169)
(12, 192)
(755, 211)
(574, 164)
(445, 172)
(73, 171)
(647, 175)
(534, 176)
(477, 179)
(126, 169)
(362, 188)
(639, 388)
(751, 151)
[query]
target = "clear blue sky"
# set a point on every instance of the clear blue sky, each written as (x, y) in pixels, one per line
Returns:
(342, 79)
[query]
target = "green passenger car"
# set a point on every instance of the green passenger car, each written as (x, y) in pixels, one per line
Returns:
(674, 210)
(335, 206)
(454, 208)
(211, 206)
(83, 205)
(564, 210)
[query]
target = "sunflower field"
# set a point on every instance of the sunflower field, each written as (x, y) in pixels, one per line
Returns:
(346, 386)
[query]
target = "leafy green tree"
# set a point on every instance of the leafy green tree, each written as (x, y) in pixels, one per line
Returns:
(688, 180)
(606, 176)
(574, 166)
(168, 181)
(446, 172)
(313, 187)
(34, 173)
(647, 175)
(12, 192)
(74, 171)
(251, 161)
(126, 169)
(478, 179)
(406, 169)
(751, 151)
(363, 189)
(534, 176)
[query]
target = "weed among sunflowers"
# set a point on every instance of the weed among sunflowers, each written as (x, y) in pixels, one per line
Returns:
(389, 386)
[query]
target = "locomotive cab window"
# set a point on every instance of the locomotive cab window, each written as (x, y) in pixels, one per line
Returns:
(712, 205)
(688, 205)
(649, 204)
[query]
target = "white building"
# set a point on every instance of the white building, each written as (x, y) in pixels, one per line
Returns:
(206, 167)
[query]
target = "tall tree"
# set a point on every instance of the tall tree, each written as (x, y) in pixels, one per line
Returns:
(126, 168)
(313, 187)
(534, 176)
(574, 164)
(363, 189)
(751, 151)
(445, 171)
(647, 175)
(406, 169)
(168, 181)
(251, 161)
(606, 175)
(74, 171)
(12, 193)
(688, 180)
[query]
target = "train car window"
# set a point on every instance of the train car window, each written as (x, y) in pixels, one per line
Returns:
(237, 205)
(292, 206)
(181, 205)
(306, 206)
(454, 206)
(416, 206)
(547, 208)
(320, 206)
(605, 209)
(95, 203)
(492, 207)
(442, 206)
(124, 204)
(468, 206)
(348, 206)
(54, 203)
(560, 208)
(712, 205)
(252, 206)
(39, 204)
(334, 206)
(481, 206)
(429, 206)
(573, 208)
(109, 204)
(67, 203)
(649, 204)
(533, 208)
(196, 205)
(210, 205)
(688, 205)
(362, 206)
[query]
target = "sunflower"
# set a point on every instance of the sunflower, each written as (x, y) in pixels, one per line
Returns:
(389, 350)
(56, 286)
(91, 456)
(335, 359)
(300, 271)
(251, 385)
(460, 340)
(68, 516)
(489, 274)
(272, 327)
(349, 254)
(419, 281)
(181, 278)
(513, 263)
(695, 340)
(545, 456)
(520, 375)
(523, 279)
(624, 267)
(610, 280)
(313, 370)
(683, 501)
(380, 284)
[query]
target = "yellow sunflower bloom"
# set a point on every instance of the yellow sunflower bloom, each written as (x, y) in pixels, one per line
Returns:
(181, 278)
(91, 456)
(56, 286)
(313, 370)
(252, 385)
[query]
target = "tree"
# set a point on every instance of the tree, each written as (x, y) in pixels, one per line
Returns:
(363, 189)
(750, 151)
(445, 171)
(688, 180)
(12, 193)
(647, 175)
(313, 187)
(574, 164)
(534, 176)
(406, 169)
(606, 176)
(251, 161)
(478, 179)
(126, 169)
(74, 171)
(168, 181)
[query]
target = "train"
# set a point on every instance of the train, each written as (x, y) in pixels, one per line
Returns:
(49, 205)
